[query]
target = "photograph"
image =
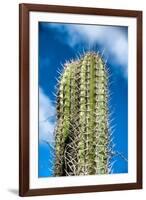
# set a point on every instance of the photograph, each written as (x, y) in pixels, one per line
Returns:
(83, 85)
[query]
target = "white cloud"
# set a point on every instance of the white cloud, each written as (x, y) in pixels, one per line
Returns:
(110, 37)
(46, 118)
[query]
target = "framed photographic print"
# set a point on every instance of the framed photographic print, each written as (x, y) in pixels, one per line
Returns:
(80, 99)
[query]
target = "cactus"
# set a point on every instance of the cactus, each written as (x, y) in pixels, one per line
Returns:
(81, 136)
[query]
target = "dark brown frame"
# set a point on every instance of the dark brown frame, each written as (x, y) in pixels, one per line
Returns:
(24, 10)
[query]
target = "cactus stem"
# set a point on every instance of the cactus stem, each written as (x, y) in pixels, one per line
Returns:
(82, 132)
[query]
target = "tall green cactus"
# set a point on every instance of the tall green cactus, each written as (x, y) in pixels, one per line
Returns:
(81, 139)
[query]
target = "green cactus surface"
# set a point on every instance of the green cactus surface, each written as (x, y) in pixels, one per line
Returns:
(81, 135)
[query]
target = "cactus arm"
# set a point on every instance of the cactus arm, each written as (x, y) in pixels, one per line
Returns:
(73, 132)
(63, 121)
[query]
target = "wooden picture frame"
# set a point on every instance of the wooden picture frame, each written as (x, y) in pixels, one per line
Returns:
(24, 94)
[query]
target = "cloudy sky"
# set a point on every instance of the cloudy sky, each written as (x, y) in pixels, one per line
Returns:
(59, 42)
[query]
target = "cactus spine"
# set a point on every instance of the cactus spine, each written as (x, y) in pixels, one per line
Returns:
(81, 139)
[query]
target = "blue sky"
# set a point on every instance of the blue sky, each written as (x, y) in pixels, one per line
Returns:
(59, 42)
